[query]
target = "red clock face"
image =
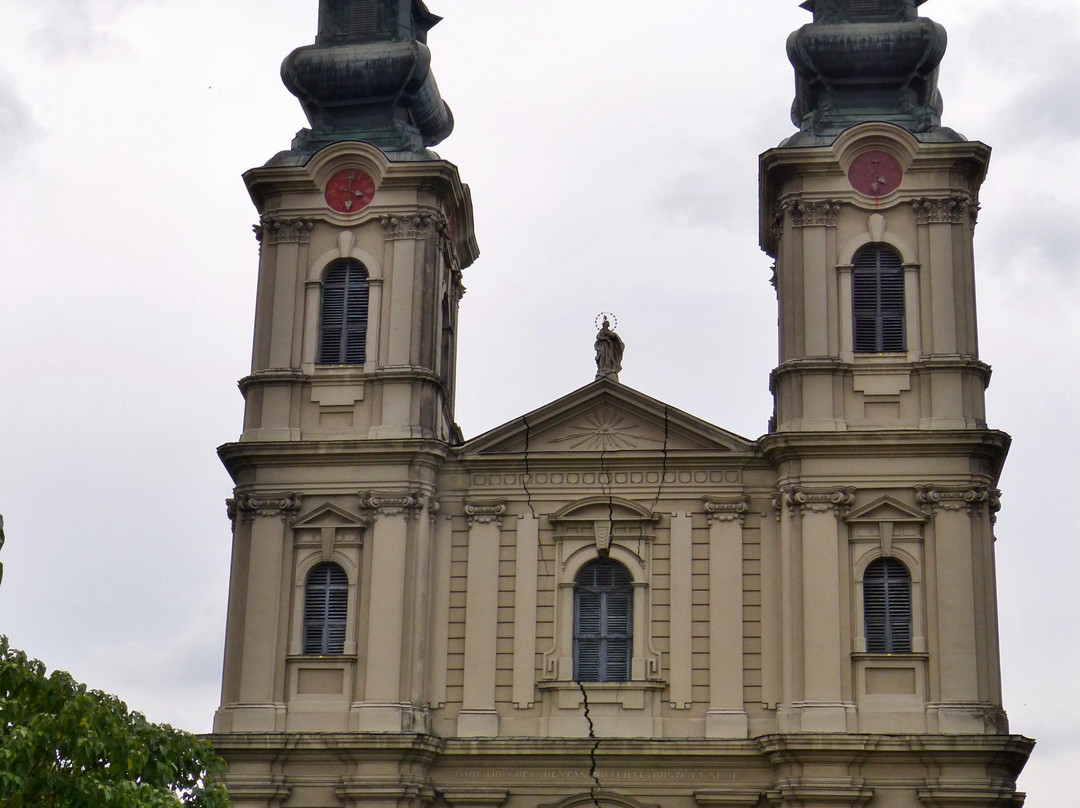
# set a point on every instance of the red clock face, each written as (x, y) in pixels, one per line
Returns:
(875, 173)
(350, 190)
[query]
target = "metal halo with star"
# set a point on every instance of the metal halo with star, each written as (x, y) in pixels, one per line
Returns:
(600, 318)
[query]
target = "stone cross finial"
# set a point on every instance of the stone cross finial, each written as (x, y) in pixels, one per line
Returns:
(609, 352)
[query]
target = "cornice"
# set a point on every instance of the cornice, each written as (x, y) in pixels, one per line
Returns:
(992, 445)
(241, 456)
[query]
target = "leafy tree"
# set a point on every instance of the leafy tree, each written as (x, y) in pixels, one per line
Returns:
(65, 746)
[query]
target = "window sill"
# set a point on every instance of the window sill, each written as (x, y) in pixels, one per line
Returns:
(630, 695)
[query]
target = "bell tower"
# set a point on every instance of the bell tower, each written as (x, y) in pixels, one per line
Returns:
(870, 211)
(363, 233)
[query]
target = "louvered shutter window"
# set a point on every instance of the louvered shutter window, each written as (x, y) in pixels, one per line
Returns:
(603, 623)
(326, 606)
(887, 607)
(343, 323)
(878, 301)
(363, 17)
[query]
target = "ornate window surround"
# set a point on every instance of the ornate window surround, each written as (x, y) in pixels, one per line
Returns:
(313, 307)
(586, 530)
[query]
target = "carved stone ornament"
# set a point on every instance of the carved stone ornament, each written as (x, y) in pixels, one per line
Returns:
(484, 513)
(284, 231)
(778, 221)
(818, 500)
(414, 226)
(970, 498)
(814, 214)
(726, 510)
(247, 506)
(392, 503)
(952, 210)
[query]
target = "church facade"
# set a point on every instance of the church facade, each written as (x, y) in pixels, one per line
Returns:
(609, 602)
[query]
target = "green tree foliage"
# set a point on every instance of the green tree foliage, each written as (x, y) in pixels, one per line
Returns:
(64, 746)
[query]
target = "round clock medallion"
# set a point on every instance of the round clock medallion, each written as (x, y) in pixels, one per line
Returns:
(875, 173)
(350, 190)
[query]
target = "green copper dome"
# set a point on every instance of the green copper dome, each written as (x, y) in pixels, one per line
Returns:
(866, 60)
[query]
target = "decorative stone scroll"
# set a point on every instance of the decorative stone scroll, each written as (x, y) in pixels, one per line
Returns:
(719, 509)
(414, 226)
(815, 214)
(484, 513)
(970, 498)
(817, 500)
(952, 210)
(247, 506)
(284, 231)
(392, 503)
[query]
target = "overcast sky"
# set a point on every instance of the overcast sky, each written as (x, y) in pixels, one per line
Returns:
(612, 152)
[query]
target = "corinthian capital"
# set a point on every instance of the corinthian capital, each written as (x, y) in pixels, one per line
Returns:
(951, 210)
(392, 503)
(818, 500)
(815, 214)
(485, 512)
(247, 506)
(284, 231)
(726, 509)
(417, 225)
(970, 498)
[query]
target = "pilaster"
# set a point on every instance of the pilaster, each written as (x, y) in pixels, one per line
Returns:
(478, 717)
(727, 716)
(383, 706)
(823, 706)
(265, 516)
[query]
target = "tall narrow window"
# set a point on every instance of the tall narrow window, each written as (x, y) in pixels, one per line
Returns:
(603, 621)
(878, 301)
(343, 324)
(887, 607)
(326, 606)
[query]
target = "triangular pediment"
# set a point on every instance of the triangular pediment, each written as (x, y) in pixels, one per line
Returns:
(330, 515)
(606, 416)
(886, 509)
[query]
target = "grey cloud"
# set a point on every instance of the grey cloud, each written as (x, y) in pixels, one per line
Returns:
(17, 126)
(76, 27)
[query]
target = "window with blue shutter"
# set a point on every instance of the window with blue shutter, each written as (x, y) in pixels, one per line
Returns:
(887, 607)
(878, 301)
(326, 607)
(603, 623)
(344, 315)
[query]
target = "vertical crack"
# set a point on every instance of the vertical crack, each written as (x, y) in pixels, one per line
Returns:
(594, 791)
(664, 461)
(528, 473)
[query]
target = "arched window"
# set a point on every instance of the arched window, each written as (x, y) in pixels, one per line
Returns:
(326, 606)
(878, 301)
(603, 623)
(887, 607)
(343, 323)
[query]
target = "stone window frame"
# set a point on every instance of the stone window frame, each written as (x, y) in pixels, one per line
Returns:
(313, 297)
(582, 536)
(878, 237)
